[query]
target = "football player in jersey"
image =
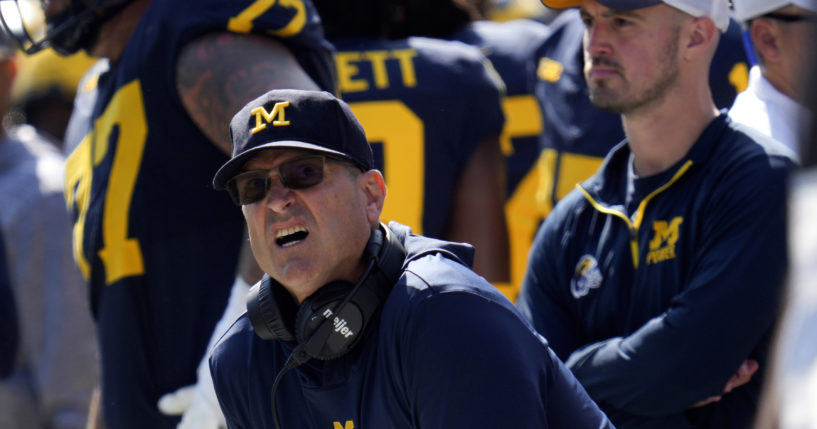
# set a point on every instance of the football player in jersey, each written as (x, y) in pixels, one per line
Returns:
(512, 47)
(432, 109)
(159, 247)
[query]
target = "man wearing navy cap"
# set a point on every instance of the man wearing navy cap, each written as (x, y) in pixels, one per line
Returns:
(358, 324)
(657, 279)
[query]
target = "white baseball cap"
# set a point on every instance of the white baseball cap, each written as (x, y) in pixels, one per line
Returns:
(716, 10)
(746, 10)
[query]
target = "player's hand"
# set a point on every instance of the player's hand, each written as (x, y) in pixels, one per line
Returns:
(742, 376)
(747, 369)
(195, 407)
(175, 403)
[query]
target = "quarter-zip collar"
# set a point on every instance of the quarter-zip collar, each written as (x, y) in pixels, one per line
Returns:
(607, 189)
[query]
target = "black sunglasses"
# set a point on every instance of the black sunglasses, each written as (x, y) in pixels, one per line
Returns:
(791, 18)
(298, 173)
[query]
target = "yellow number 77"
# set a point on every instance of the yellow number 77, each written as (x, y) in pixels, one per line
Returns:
(121, 256)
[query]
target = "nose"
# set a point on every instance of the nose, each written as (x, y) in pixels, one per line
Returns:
(279, 198)
(597, 40)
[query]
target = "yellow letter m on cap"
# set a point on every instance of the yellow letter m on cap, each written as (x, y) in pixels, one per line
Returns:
(262, 117)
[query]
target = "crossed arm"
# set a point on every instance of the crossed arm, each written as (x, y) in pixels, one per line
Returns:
(701, 346)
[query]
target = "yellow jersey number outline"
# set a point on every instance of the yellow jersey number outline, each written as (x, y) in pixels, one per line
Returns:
(120, 255)
(523, 118)
(402, 134)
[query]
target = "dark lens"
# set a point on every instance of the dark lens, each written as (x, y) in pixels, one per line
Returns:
(248, 187)
(302, 172)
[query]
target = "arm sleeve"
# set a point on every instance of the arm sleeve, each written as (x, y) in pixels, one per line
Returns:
(730, 302)
(9, 333)
(472, 363)
(544, 298)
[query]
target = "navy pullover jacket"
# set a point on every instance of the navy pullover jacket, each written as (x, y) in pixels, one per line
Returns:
(449, 352)
(655, 295)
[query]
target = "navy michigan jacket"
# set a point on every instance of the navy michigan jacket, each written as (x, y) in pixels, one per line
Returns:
(655, 293)
(449, 352)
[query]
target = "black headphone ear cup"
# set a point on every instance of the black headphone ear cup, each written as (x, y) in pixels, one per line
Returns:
(332, 335)
(271, 310)
(390, 256)
(375, 244)
(321, 333)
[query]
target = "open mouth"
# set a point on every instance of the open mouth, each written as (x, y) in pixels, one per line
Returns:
(291, 236)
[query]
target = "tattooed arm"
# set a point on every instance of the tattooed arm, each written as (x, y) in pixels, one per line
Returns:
(217, 74)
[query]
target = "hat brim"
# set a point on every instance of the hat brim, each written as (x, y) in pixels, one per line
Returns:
(235, 164)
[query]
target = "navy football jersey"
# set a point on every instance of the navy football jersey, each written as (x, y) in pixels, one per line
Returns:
(513, 47)
(159, 245)
(426, 105)
(577, 135)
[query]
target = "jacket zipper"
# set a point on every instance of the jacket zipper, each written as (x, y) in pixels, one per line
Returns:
(633, 226)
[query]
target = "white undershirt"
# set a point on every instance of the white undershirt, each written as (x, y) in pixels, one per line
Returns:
(762, 107)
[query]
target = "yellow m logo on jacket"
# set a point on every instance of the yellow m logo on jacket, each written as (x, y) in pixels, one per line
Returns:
(662, 246)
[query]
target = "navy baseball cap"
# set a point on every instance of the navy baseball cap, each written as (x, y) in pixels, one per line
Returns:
(295, 119)
(716, 10)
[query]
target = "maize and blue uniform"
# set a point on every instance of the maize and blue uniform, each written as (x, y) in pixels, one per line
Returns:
(513, 47)
(448, 351)
(654, 290)
(576, 134)
(425, 105)
(158, 245)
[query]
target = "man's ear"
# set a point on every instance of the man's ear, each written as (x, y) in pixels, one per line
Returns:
(374, 190)
(765, 38)
(702, 37)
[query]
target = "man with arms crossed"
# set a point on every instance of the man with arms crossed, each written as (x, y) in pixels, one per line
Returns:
(657, 279)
